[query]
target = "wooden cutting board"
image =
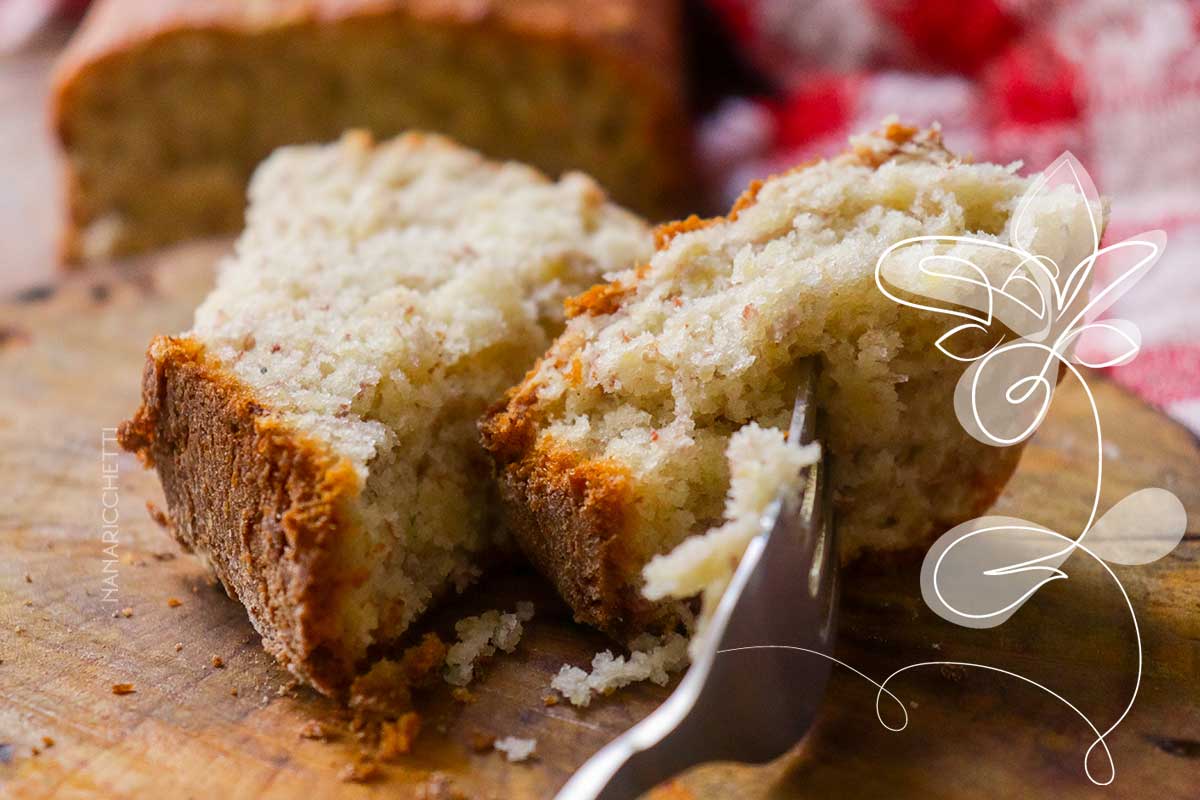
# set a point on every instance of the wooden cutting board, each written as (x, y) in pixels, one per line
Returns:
(70, 359)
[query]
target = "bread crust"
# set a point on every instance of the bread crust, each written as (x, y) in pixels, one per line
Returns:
(637, 40)
(264, 507)
(569, 515)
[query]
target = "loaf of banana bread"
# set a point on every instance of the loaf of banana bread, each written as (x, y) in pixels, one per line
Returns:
(163, 108)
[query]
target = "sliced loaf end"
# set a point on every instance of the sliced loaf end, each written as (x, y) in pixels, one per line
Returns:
(634, 406)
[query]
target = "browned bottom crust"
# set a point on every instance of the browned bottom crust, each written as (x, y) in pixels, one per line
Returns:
(263, 506)
(569, 516)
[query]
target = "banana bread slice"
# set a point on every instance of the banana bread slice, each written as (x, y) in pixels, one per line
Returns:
(163, 108)
(315, 430)
(612, 450)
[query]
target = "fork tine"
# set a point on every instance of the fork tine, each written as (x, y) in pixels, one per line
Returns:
(665, 742)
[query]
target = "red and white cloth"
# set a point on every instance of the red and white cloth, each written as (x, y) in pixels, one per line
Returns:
(1115, 82)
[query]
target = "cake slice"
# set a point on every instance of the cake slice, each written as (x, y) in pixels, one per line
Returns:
(163, 108)
(612, 451)
(315, 430)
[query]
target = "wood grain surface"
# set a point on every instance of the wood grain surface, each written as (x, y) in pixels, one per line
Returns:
(70, 357)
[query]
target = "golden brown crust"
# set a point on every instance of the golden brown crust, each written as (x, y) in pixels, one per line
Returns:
(638, 40)
(603, 298)
(568, 513)
(635, 31)
(569, 516)
(263, 506)
(663, 234)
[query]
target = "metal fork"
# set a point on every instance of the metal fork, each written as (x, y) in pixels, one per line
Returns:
(748, 696)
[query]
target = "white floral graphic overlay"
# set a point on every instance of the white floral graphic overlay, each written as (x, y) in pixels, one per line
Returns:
(1029, 294)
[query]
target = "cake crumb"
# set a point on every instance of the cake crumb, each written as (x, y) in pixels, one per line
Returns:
(314, 730)
(387, 687)
(174, 602)
(48, 741)
(480, 637)
(650, 659)
(126, 612)
(178, 646)
(20, 629)
(217, 662)
(516, 749)
(439, 787)
(122, 688)
(233, 692)
(158, 515)
(397, 738)
(361, 770)
(28, 578)
(550, 700)
(482, 742)
(462, 694)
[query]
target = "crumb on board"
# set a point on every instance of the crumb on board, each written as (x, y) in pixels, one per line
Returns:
(482, 742)
(514, 748)
(217, 662)
(462, 694)
(126, 612)
(360, 770)
(122, 688)
(550, 700)
(29, 604)
(397, 738)
(233, 692)
(20, 629)
(671, 790)
(387, 687)
(48, 741)
(174, 602)
(178, 646)
(158, 515)
(33, 751)
(28, 578)
(439, 787)
(650, 659)
(480, 637)
(314, 730)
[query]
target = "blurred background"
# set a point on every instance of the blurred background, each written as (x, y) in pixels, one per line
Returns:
(770, 83)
